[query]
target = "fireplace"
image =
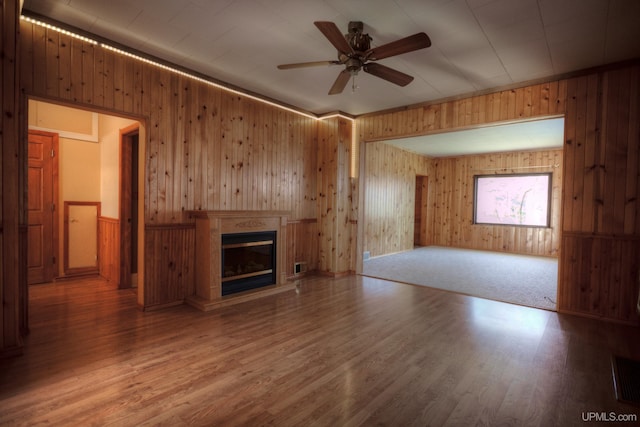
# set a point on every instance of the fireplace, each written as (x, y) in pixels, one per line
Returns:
(240, 255)
(248, 261)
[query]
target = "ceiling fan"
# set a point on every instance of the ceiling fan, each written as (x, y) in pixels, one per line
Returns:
(355, 53)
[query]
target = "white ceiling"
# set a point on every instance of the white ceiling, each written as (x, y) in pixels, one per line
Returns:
(522, 136)
(476, 44)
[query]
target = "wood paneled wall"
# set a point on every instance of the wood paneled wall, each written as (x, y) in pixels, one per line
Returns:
(453, 203)
(389, 193)
(334, 197)
(109, 248)
(600, 276)
(169, 264)
(12, 228)
(546, 99)
(600, 200)
(299, 234)
(205, 149)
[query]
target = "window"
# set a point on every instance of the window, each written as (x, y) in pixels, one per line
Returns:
(518, 199)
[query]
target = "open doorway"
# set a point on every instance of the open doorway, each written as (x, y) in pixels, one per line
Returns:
(452, 160)
(129, 201)
(87, 170)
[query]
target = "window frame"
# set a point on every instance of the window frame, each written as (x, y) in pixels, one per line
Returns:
(549, 176)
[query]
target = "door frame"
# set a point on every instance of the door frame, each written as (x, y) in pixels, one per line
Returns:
(126, 234)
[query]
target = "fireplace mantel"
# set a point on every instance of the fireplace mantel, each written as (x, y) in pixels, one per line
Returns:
(210, 226)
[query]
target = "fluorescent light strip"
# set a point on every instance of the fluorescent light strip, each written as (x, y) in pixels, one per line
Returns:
(174, 70)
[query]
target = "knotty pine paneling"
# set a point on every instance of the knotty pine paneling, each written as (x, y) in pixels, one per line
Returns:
(13, 285)
(169, 273)
(390, 179)
(299, 233)
(545, 99)
(600, 274)
(109, 249)
(601, 219)
(453, 203)
(205, 148)
(334, 197)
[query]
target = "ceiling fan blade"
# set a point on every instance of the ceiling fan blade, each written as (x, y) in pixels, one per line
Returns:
(398, 47)
(306, 64)
(333, 34)
(389, 74)
(340, 83)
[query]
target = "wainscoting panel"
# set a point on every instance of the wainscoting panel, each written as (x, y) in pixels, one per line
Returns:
(109, 248)
(169, 264)
(601, 276)
(299, 233)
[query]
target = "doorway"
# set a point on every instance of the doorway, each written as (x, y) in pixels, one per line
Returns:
(129, 201)
(99, 164)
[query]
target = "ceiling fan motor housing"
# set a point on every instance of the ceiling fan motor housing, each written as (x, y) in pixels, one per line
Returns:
(358, 41)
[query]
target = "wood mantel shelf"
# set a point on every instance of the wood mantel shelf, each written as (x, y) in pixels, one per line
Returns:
(210, 226)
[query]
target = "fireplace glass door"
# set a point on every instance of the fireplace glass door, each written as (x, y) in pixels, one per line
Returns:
(248, 261)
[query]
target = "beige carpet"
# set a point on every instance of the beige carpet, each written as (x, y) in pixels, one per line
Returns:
(518, 279)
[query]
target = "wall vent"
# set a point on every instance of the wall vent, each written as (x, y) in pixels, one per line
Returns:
(299, 268)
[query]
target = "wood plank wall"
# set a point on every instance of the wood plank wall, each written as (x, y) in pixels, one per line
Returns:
(334, 197)
(205, 148)
(12, 229)
(389, 193)
(601, 182)
(109, 249)
(170, 268)
(601, 200)
(453, 203)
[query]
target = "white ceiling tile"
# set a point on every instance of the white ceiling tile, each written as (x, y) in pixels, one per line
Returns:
(505, 13)
(113, 11)
(527, 61)
(555, 12)
(516, 34)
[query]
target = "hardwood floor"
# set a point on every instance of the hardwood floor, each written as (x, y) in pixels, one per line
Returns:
(349, 351)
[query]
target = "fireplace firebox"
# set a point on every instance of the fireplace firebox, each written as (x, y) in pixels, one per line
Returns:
(248, 261)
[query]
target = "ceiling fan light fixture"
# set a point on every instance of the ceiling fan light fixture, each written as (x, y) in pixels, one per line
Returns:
(355, 53)
(353, 65)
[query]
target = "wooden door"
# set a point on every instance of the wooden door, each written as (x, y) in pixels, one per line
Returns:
(41, 208)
